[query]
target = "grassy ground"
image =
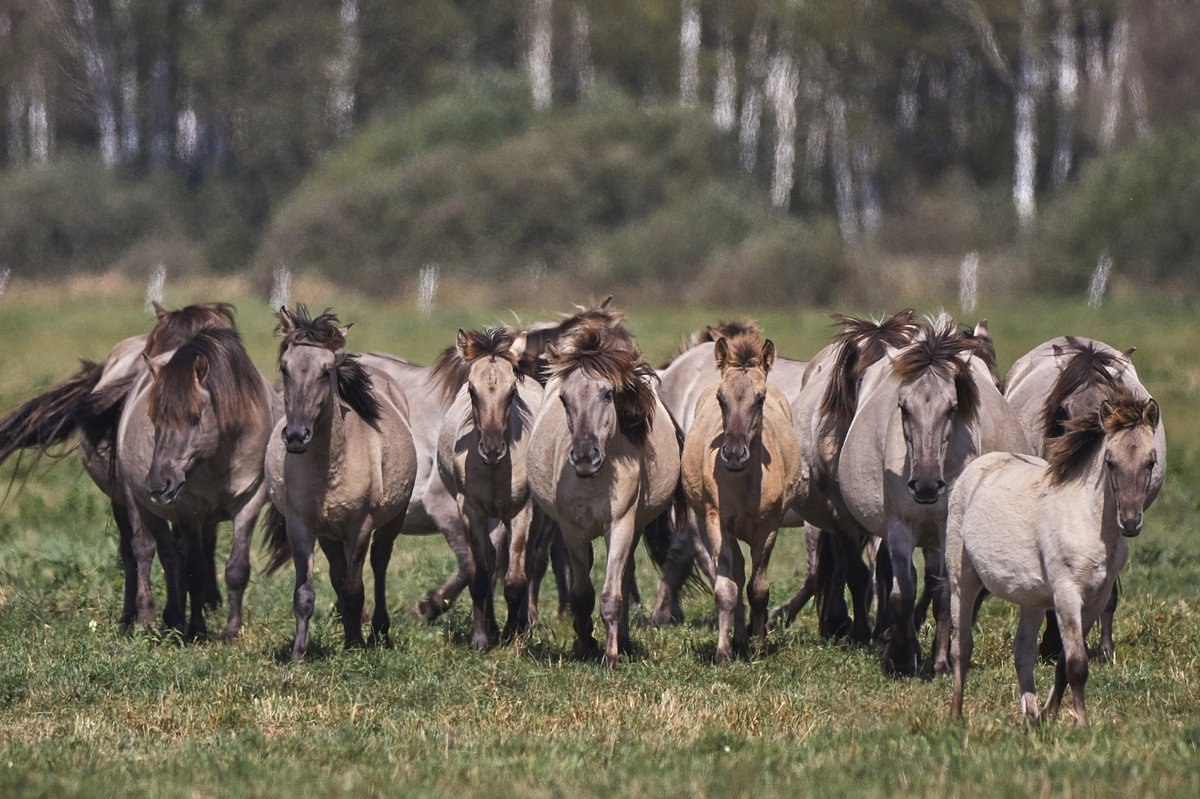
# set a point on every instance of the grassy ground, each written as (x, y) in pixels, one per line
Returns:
(85, 709)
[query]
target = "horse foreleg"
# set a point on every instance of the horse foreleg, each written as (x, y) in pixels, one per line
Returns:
(788, 611)
(935, 576)
(129, 563)
(963, 585)
(902, 651)
(1108, 651)
(725, 589)
(483, 553)
(196, 572)
(382, 545)
(583, 596)
(353, 599)
(172, 553)
(300, 540)
(1025, 658)
(758, 590)
(622, 537)
(560, 565)
(541, 529)
(516, 581)
(443, 509)
(142, 547)
(858, 579)
(237, 568)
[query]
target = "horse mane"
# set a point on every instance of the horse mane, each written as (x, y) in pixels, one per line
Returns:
(861, 343)
(984, 350)
(609, 354)
(173, 328)
(452, 366)
(746, 351)
(449, 373)
(1088, 366)
(537, 338)
(237, 396)
(495, 342)
(711, 333)
(354, 383)
(1068, 452)
(936, 348)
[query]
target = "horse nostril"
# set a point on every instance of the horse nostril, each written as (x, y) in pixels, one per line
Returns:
(941, 487)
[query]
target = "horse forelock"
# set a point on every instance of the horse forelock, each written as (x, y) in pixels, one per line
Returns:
(1088, 366)
(936, 349)
(174, 328)
(230, 378)
(323, 331)
(495, 342)
(610, 355)
(745, 351)
(1068, 452)
(861, 343)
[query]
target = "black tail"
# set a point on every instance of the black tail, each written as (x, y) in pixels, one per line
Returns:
(275, 540)
(52, 417)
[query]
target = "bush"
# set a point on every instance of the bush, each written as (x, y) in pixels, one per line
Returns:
(1140, 206)
(77, 215)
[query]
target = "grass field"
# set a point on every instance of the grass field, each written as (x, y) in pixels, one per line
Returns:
(86, 709)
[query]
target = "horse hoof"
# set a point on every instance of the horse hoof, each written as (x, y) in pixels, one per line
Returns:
(722, 657)
(480, 642)
(585, 649)
(612, 661)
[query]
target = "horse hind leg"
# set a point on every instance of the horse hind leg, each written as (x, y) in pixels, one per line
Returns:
(903, 649)
(516, 582)
(583, 597)
(1108, 652)
(1025, 659)
(197, 568)
(352, 595)
(789, 610)
(129, 563)
(758, 590)
(382, 544)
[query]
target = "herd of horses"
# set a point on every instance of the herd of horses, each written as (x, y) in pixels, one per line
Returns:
(521, 447)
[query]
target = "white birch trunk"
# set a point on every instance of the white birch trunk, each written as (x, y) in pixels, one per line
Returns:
(342, 98)
(131, 134)
(1118, 59)
(752, 101)
(581, 31)
(843, 177)
(725, 91)
(783, 88)
(1066, 92)
(539, 57)
(689, 53)
(41, 140)
(1025, 130)
(98, 67)
(907, 101)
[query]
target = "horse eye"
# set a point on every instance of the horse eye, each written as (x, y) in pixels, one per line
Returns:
(1110, 464)
(608, 395)
(760, 400)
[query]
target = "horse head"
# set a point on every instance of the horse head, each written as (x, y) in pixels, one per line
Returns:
(310, 355)
(1129, 457)
(744, 362)
(492, 382)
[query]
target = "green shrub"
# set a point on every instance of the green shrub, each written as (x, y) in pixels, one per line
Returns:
(77, 215)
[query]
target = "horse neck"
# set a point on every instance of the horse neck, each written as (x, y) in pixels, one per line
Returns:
(1101, 503)
(328, 445)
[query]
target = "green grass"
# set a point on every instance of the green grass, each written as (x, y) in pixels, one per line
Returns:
(86, 709)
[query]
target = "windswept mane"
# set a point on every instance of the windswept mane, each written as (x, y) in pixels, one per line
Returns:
(861, 343)
(451, 368)
(985, 350)
(229, 376)
(746, 351)
(495, 342)
(1070, 451)
(609, 354)
(173, 328)
(354, 383)
(537, 338)
(712, 333)
(1088, 366)
(936, 348)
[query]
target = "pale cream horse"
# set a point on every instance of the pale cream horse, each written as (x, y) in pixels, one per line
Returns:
(1067, 378)
(1050, 535)
(924, 413)
(340, 466)
(482, 453)
(603, 461)
(740, 469)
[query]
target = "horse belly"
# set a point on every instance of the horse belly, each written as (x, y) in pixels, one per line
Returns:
(1004, 551)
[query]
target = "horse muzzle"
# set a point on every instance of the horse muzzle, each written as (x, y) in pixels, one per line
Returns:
(167, 492)
(734, 458)
(927, 492)
(297, 439)
(588, 463)
(1131, 526)
(492, 456)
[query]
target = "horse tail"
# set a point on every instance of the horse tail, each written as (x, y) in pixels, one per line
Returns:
(52, 417)
(275, 540)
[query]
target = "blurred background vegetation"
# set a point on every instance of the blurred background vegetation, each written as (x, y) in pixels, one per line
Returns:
(717, 151)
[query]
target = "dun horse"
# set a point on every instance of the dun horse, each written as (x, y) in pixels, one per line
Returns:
(482, 453)
(189, 448)
(340, 466)
(1067, 378)
(740, 468)
(1051, 535)
(603, 461)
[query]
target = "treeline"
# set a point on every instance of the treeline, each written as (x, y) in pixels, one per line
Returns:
(832, 108)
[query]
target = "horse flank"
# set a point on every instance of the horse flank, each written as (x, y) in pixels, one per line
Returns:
(1088, 366)
(861, 343)
(936, 348)
(354, 383)
(1068, 453)
(610, 354)
(228, 375)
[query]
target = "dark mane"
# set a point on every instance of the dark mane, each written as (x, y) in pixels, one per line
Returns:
(985, 350)
(609, 354)
(173, 328)
(861, 343)
(1087, 367)
(1070, 451)
(538, 338)
(229, 377)
(712, 333)
(355, 386)
(936, 348)
(495, 341)
(746, 351)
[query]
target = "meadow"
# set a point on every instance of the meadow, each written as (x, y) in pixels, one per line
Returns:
(87, 709)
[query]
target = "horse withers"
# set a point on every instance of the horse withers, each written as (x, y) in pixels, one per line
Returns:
(1050, 534)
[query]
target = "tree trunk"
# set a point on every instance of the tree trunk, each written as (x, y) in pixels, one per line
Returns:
(725, 91)
(41, 138)
(1025, 130)
(581, 46)
(907, 99)
(540, 54)
(783, 88)
(752, 101)
(843, 177)
(342, 98)
(98, 67)
(1118, 59)
(1066, 94)
(689, 53)
(131, 132)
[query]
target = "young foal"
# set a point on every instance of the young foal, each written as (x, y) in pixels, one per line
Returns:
(1050, 535)
(481, 455)
(340, 465)
(740, 469)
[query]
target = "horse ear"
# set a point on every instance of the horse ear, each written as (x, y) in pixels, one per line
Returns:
(460, 343)
(607, 301)
(345, 331)
(768, 355)
(286, 323)
(981, 329)
(159, 310)
(1058, 356)
(713, 333)
(517, 348)
(201, 368)
(721, 353)
(1106, 412)
(1150, 413)
(1128, 354)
